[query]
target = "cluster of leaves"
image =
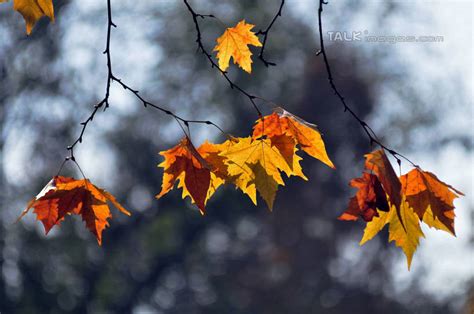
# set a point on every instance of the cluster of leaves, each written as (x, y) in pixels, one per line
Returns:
(253, 164)
(256, 163)
(401, 202)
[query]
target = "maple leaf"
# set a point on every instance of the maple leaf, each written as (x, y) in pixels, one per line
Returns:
(66, 196)
(378, 162)
(266, 185)
(405, 236)
(305, 134)
(370, 197)
(183, 163)
(242, 155)
(286, 146)
(257, 164)
(430, 198)
(46, 204)
(33, 10)
(210, 153)
(418, 196)
(240, 176)
(234, 43)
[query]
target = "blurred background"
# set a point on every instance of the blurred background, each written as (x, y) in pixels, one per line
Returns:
(238, 258)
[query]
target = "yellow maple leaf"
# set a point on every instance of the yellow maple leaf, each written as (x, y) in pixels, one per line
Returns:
(240, 176)
(406, 238)
(265, 184)
(244, 154)
(433, 222)
(234, 43)
(33, 10)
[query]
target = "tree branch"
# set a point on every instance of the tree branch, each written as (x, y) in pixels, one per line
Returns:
(195, 17)
(367, 129)
(265, 35)
(104, 103)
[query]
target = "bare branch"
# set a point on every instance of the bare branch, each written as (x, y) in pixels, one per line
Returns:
(265, 35)
(213, 63)
(367, 129)
(104, 103)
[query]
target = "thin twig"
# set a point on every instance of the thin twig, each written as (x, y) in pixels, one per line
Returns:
(146, 103)
(104, 103)
(201, 47)
(367, 129)
(265, 35)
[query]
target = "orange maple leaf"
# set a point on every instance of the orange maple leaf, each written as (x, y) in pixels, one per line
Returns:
(378, 162)
(305, 134)
(66, 196)
(425, 191)
(370, 197)
(183, 163)
(33, 10)
(219, 175)
(234, 43)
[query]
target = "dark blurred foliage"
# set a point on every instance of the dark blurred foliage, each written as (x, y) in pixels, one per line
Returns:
(167, 258)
